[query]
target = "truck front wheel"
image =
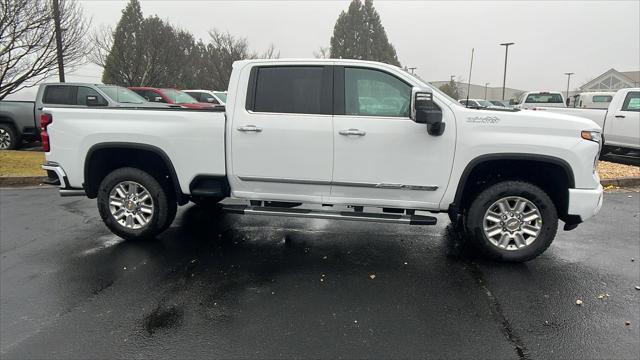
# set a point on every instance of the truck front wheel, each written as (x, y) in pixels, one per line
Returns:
(512, 221)
(135, 205)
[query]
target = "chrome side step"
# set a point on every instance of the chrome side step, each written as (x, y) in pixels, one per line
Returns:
(334, 215)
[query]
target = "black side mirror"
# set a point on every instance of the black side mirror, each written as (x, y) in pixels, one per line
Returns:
(92, 100)
(425, 111)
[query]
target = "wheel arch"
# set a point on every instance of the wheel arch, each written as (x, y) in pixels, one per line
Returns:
(95, 172)
(486, 168)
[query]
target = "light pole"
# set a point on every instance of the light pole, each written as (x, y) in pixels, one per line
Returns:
(568, 79)
(485, 90)
(506, 53)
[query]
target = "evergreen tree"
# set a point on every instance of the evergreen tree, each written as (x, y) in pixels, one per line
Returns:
(359, 34)
(451, 89)
(124, 64)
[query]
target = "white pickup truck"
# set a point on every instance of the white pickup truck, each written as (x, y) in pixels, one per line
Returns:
(334, 139)
(620, 123)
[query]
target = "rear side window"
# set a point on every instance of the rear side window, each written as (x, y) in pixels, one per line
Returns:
(293, 89)
(632, 101)
(602, 98)
(59, 94)
(544, 98)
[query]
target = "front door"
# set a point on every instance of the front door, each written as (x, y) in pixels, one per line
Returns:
(623, 124)
(381, 155)
(281, 139)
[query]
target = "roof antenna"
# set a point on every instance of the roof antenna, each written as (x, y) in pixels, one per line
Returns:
(469, 84)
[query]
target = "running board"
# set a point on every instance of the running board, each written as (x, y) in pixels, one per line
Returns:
(334, 215)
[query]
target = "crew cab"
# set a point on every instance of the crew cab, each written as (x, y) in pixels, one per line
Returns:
(620, 122)
(335, 139)
(19, 119)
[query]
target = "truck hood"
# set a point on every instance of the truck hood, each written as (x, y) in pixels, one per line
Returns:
(530, 120)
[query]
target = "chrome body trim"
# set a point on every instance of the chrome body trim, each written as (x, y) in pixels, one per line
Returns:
(55, 167)
(340, 183)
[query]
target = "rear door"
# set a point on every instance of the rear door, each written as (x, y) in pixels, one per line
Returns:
(281, 136)
(381, 156)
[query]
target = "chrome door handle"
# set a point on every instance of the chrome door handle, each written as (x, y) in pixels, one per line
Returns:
(352, 132)
(250, 128)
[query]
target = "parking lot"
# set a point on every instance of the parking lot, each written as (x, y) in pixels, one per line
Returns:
(264, 287)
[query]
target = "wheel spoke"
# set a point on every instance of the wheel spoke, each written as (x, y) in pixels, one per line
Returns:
(146, 209)
(143, 197)
(531, 217)
(504, 206)
(140, 219)
(519, 239)
(520, 205)
(504, 240)
(120, 190)
(493, 231)
(119, 214)
(129, 222)
(530, 230)
(493, 217)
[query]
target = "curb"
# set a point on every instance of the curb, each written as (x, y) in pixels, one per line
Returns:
(621, 182)
(22, 180)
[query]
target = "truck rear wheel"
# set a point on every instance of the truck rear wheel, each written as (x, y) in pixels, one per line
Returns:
(135, 205)
(512, 221)
(8, 138)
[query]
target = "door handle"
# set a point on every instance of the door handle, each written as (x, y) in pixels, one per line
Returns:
(250, 128)
(352, 132)
(620, 116)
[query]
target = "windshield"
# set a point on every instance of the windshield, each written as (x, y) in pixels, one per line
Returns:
(484, 103)
(179, 97)
(221, 95)
(544, 98)
(122, 95)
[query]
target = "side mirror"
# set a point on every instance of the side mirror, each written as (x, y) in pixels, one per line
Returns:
(425, 111)
(92, 100)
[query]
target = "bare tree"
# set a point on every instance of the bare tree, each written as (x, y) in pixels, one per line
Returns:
(27, 41)
(102, 40)
(322, 53)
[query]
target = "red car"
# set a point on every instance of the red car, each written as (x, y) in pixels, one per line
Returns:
(170, 96)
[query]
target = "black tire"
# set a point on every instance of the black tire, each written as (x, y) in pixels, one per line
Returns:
(475, 220)
(9, 140)
(164, 203)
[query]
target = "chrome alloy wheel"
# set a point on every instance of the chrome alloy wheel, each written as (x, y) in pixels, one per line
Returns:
(512, 223)
(5, 139)
(131, 205)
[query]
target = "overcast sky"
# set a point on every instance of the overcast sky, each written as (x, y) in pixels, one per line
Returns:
(551, 37)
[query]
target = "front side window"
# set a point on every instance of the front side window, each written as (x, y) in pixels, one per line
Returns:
(121, 94)
(292, 89)
(59, 94)
(179, 97)
(631, 101)
(83, 92)
(375, 93)
(221, 95)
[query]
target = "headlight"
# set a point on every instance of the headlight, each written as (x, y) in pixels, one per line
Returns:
(592, 135)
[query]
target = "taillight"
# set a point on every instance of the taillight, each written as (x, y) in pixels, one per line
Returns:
(45, 120)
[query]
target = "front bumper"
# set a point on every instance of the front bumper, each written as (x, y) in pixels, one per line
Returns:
(65, 188)
(585, 203)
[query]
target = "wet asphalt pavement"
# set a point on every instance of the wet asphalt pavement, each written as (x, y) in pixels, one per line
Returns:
(263, 287)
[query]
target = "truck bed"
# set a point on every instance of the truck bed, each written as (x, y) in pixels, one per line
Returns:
(192, 139)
